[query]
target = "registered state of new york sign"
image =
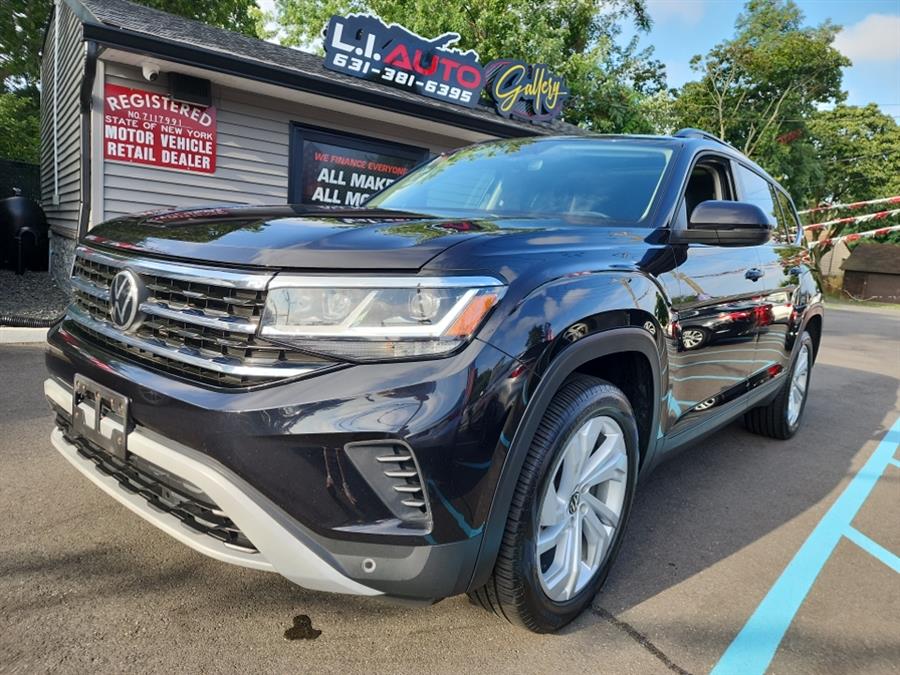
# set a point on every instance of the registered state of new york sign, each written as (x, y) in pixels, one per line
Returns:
(144, 127)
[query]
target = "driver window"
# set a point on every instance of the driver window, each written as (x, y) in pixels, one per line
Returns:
(710, 179)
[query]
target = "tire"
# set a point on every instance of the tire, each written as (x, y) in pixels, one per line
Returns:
(697, 338)
(519, 589)
(775, 419)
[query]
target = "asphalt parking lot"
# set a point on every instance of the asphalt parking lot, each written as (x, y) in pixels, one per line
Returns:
(86, 585)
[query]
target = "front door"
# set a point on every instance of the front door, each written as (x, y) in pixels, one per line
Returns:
(713, 342)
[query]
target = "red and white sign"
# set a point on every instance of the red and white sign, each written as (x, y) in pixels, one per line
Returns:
(143, 127)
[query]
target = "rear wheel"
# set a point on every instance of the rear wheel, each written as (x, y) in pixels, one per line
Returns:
(569, 510)
(781, 417)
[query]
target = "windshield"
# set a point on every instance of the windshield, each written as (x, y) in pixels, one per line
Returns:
(601, 178)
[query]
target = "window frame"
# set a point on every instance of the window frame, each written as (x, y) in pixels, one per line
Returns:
(300, 133)
(680, 221)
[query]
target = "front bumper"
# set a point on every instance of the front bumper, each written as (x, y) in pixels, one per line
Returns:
(282, 547)
(283, 456)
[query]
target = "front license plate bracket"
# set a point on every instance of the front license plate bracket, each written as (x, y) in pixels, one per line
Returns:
(101, 416)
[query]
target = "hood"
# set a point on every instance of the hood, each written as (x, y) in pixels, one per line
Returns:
(322, 238)
(299, 237)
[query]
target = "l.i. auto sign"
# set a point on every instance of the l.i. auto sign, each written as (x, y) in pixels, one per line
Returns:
(142, 127)
(364, 46)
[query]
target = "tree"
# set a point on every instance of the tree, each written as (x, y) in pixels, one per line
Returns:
(576, 38)
(19, 128)
(859, 152)
(240, 16)
(22, 27)
(756, 89)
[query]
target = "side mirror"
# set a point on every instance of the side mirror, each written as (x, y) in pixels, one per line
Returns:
(725, 223)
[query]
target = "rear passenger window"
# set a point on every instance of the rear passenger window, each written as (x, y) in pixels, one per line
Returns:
(756, 190)
(791, 223)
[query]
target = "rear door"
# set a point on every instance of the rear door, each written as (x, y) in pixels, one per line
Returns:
(713, 341)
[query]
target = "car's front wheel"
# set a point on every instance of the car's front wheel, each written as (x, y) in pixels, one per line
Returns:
(569, 509)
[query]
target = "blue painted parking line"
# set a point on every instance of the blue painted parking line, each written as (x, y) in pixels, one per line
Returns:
(755, 645)
(873, 548)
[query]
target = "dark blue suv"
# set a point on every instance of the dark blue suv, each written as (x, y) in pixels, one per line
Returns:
(456, 388)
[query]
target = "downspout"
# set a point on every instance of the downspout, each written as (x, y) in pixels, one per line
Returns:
(56, 21)
(86, 99)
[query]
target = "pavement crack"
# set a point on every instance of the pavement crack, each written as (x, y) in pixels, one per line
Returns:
(640, 638)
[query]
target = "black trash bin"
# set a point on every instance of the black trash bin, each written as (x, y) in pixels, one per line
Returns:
(24, 234)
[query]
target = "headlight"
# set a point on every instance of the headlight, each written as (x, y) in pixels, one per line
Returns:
(376, 318)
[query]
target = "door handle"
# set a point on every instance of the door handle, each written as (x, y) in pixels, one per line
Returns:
(754, 274)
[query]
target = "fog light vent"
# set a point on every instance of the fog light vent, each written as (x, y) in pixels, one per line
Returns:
(392, 471)
(405, 477)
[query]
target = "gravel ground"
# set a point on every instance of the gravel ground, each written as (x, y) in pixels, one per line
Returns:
(33, 294)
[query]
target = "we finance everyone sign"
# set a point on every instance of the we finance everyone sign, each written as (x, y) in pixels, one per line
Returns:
(143, 127)
(347, 176)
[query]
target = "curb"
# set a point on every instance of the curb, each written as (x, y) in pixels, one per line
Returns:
(11, 335)
(884, 311)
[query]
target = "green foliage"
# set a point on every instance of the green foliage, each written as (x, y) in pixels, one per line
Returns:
(240, 16)
(576, 38)
(756, 89)
(859, 152)
(19, 128)
(22, 25)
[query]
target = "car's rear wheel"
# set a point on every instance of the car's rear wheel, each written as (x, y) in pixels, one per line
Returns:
(781, 417)
(569, 509)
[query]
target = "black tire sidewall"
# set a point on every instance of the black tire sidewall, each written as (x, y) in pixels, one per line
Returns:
(806, 340)
(549, 614)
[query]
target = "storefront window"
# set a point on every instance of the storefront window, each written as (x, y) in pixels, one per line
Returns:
(335, 169)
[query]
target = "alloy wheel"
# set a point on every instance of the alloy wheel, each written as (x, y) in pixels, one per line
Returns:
(692, 338)
(581, 507)
(799, 384)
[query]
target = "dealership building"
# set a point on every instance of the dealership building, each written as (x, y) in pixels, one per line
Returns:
(143, 110)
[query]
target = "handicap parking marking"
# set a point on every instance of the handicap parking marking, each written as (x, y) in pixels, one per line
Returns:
(754, 647)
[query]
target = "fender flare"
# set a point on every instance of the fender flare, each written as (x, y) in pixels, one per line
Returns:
(614, 341)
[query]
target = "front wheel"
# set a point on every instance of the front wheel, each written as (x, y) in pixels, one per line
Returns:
(781, 417)
(694, 338)
(569, 510)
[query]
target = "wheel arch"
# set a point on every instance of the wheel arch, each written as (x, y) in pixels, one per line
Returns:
(620, 351)
(814, 327)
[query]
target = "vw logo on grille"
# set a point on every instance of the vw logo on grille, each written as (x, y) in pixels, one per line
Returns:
(125, 296)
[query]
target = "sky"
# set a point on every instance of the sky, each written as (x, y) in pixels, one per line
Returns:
(870, 37)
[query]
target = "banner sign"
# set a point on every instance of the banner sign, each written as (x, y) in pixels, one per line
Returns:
(142, 127)
(528, 92)
(364, 46)
(344, 176)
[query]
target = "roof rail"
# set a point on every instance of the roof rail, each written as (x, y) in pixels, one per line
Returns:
(690, 132)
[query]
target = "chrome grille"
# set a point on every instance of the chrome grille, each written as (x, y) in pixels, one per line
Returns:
(199, 322)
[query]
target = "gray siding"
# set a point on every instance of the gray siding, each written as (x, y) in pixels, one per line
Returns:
(63, 212)
(252, 157)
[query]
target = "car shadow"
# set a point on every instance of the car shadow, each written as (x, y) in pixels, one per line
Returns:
(733, 488)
